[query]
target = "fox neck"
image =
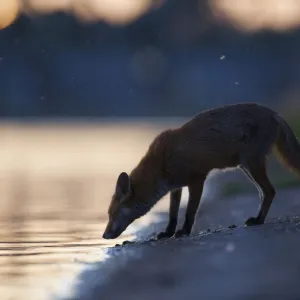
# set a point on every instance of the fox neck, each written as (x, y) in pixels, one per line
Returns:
(146, 201)
(149, 184)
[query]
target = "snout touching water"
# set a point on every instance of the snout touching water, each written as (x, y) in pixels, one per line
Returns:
(108, 236)
(112, 232)
(116, 227)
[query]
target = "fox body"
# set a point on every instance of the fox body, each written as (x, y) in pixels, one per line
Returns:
(240, 135)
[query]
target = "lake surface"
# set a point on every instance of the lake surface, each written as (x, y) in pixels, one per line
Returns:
(56, 180)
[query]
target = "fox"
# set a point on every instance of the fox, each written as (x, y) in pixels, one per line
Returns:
(227, 137)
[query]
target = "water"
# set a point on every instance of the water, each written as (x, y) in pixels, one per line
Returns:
(56, 181)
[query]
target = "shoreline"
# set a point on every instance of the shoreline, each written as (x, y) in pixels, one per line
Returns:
(170, 269)
(139, 260)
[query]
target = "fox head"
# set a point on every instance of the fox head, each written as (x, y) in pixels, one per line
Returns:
(123, 210)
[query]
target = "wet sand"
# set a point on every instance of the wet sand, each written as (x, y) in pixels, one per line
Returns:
(236, 264)
(216, 262)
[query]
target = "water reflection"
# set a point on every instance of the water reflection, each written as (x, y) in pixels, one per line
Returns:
(55, 185)
(36, 249)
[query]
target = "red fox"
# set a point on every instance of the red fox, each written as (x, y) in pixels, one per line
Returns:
(231, 136)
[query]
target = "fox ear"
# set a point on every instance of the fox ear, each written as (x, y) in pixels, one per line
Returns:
(123, 184)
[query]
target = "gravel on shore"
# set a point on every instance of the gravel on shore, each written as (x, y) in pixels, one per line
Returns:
(224, 262)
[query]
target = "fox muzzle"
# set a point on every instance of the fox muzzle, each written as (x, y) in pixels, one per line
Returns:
(116, 227)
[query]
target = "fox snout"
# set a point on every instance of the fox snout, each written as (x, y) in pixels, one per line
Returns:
(112, 230)
(116, 227)
(108, 235)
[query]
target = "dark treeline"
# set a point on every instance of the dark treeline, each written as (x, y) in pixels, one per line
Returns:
(173, 61)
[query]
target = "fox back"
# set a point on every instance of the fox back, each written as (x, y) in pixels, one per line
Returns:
(219, 138)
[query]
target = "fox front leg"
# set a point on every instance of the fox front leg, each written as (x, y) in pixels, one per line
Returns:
(175, 198)
(195, 193)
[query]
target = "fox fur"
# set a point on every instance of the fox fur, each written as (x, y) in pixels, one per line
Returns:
(231, 136)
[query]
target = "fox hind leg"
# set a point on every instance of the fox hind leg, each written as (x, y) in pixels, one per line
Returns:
(175, 198)
(256, 172)
(249, 176)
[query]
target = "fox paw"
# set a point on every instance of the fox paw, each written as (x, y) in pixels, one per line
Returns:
(165, 235)
(253, 222)
(182, 232)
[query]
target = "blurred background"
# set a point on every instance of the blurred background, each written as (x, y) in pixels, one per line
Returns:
(85, 85)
